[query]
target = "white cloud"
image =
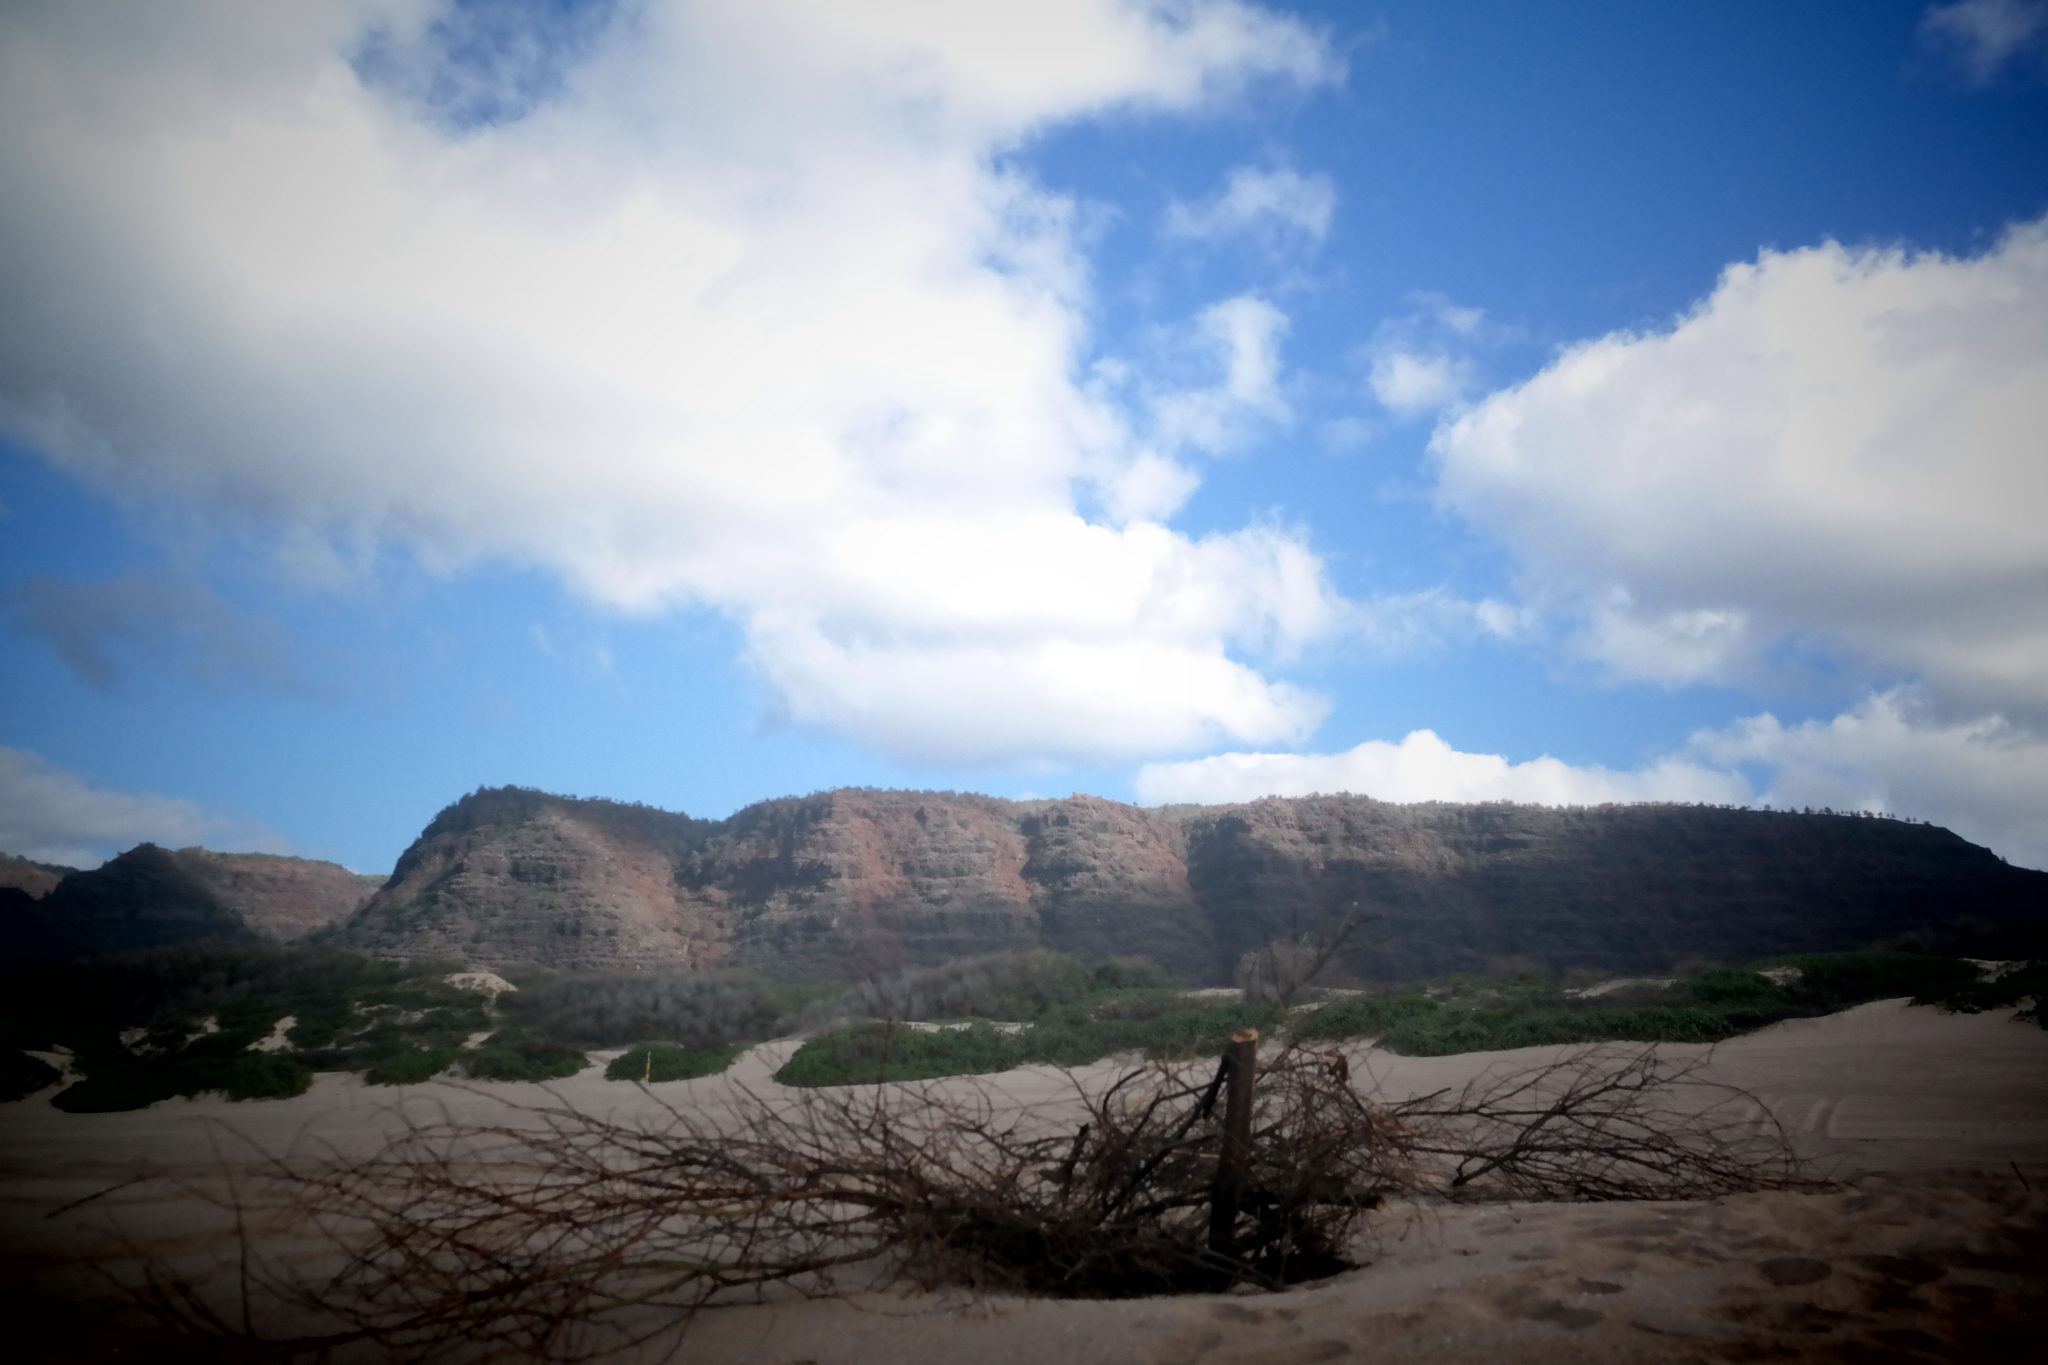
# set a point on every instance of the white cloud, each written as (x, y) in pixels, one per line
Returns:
(52, 815)
(1240, 337)
(1983, 37)
(736, 309)
(1985, 779)
(1838, 450)
(985, 702)
(1410, 383)
(1412, 622)
(1274, 206)
(1422, 361)
(1423, 767)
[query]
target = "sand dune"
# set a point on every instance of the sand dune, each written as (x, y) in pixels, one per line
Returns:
(1933, 1247)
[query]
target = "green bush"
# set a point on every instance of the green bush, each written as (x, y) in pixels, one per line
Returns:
(1159, 1026)
(2006, 992)
(254, 1076)
(866, 1053)
(411, 1067)
(1833, 981)
(610, 1009)
(1362, 1016)
(1731, 986)
(670, 1062)
(1010, 986)
(142, 1081)
(510, 1056)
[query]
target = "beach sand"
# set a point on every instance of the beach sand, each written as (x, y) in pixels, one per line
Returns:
(1931, 1247)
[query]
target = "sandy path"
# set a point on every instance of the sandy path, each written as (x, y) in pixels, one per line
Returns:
(1936, 1251)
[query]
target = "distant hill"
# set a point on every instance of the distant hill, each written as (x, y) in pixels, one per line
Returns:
(33, 878)
(844, 881)
(152, 897)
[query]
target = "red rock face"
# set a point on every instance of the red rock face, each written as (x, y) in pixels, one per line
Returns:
(280, 899)
(558, 884)
(846, 882)
(817, 886)
(875, 879)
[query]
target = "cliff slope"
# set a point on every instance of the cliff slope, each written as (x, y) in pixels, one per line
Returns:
(153, 897)
(513, 876)
(849, 881)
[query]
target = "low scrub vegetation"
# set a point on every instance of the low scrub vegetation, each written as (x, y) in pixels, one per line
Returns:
(189, 1021)
(613, 1009)
(509, 1055)
(657, 1062)
(1443, 1018)
(1157, 1024)
(136, 1082)
(411, 1066)
(1702, 1007)
(2023, 985)
(867, 1053)
(1006, 986)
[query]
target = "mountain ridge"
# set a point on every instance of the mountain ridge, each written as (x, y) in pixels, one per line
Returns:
(861, 879)
(153, 897)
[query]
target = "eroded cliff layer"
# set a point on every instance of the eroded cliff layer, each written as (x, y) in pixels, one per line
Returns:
(850, 881)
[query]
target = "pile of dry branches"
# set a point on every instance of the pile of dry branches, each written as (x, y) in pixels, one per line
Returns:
(562, 1234)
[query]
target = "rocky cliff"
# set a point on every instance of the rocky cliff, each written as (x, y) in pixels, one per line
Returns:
(515, 876)
(152, 897)
(847, 881)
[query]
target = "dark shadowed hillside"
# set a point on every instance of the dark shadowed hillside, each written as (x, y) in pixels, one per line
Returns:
(856, 880)
(34, 878)
(153, 897)
(1621, 888)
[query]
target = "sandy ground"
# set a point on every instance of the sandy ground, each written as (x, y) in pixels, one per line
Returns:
(1932, 1248)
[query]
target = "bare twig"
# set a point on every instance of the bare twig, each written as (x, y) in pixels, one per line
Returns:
(560, 1234)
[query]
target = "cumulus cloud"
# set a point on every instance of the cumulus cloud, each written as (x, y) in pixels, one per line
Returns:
(738, 307)
(1985, 779)
(52, 815)
(113, 631)
(1239, 339)
(1837, 451)
(1410, 383)
(1422, 361)
(1984, 37)
(1277, 207)
(1423, 767)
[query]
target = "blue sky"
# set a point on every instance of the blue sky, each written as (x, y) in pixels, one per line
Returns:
(695, 404)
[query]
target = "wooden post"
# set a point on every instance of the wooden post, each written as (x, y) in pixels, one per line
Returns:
(1243, 1061)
